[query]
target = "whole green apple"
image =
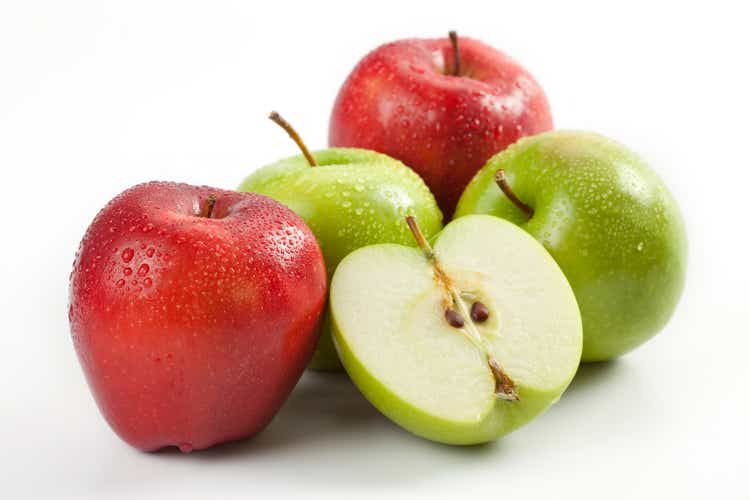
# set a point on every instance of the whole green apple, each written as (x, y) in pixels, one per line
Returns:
(350, 198)
(608, 221)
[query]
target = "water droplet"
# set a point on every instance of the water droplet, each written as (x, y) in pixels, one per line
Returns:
(148, 227)
(147, 282)
(127, 271)
(127, 254)
(185, 447)
(150, 252)
(120, 283)
(143, 270)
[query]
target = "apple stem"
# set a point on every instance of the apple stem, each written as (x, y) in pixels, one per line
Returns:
(411, 221)
(208, 207)
(281, 122)
(459, 316)
(456, 59)
(502, 182)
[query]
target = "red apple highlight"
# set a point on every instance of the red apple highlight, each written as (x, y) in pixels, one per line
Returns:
(194, 311)
(442, 108)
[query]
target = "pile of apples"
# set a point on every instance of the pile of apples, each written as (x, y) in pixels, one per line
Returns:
(194, 311)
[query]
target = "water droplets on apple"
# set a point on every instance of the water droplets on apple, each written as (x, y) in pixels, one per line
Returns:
(127, 254)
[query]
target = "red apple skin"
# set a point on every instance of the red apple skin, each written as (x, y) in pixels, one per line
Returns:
(401, 101)
(191, 330)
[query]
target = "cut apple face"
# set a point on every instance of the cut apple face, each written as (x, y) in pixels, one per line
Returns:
(461, 343)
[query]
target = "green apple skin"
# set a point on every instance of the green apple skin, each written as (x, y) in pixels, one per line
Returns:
(608, 221)
(352, 198)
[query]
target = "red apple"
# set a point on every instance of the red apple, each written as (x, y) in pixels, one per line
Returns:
(410, 100)
(194, 311)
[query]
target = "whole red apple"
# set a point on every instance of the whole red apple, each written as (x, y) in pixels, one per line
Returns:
(442, 106)
(194, 311)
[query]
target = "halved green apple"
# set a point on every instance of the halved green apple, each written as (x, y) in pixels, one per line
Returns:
(463, 343)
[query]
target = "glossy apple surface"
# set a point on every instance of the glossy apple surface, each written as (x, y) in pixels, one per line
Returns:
(434, 377)
(609, 222)
(351, 199)
(403, 100)
(192, 324)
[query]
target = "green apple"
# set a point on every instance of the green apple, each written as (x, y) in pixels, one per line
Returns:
(350, 198)
(462, 343)
(606, 218)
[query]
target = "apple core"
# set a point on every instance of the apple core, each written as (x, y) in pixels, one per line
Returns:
(458, 316)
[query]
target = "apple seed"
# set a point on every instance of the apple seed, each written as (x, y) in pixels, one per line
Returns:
(479, 312)
(453, 318)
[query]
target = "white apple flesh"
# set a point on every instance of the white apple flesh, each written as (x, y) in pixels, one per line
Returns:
(403, 328)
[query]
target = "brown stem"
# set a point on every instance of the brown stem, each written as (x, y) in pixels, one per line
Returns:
(502, 182)
(456, 59)
(208, 207)
(411, 221)
(281, 122)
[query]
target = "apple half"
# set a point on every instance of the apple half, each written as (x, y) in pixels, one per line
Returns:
(462, 343)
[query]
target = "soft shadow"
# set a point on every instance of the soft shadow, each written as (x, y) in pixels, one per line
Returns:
(322, 404)
(592, 375)
(341, 438)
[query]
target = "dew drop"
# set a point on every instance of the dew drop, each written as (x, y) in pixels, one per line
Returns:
(127, 254)
(120, 283)
(127, 271)
(143, 270)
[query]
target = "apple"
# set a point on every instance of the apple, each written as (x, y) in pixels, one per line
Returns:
(440, 106)
(606, 218)
(350, 198)
(462, 343)
(194, 312)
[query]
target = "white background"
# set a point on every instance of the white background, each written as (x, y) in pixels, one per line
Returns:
(98, 96)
